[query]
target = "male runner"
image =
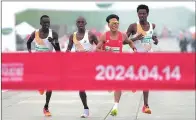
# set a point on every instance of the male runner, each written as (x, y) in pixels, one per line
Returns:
(143, 39)
(113, 41)
(45, 40)
(83, 42)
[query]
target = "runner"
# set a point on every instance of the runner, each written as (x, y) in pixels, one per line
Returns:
(82, 41)
(45, 40)
(143, 38)
(113, 41)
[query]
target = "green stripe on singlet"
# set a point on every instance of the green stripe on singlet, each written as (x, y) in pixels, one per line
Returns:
(146, 40)
(41, 49)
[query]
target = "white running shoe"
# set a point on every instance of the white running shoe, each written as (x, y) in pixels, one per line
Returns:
(85, 114)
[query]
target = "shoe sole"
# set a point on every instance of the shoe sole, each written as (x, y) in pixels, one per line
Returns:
(113, 113)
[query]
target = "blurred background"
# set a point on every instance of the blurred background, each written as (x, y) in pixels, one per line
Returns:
(175, 21)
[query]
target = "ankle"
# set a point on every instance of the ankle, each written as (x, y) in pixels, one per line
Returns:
(46, 107)
(146, 105)
(116, 105)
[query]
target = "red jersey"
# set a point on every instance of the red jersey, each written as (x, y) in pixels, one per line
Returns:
(115, 45)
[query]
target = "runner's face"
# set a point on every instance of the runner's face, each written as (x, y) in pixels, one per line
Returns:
(113, 24)
(142, 14)
(45, 23)
(81, 23)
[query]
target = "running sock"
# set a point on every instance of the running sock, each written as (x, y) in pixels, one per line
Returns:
(115, 105)
(48, 96)
(83, 98)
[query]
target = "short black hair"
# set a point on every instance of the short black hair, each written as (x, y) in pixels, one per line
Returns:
(142, 6)
(44, 16)
(112, 16)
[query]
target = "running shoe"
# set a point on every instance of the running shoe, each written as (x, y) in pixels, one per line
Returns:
(85, 114)
(46, 112)
(41, 92)
(146, 109)
(114, 112)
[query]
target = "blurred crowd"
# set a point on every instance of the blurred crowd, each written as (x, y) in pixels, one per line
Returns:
(187, 39)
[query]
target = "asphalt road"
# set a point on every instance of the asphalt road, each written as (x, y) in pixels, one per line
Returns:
(168, 105)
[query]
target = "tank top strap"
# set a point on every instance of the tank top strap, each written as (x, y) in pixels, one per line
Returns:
(107, 35)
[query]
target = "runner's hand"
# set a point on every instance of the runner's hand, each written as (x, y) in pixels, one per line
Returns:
(82, 50)
(50, 39)
(134, 50)
(155, 40)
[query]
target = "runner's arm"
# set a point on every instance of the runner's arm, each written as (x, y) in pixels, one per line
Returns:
(101, 43)
(30, 40)
(94, 39)
(127, 41)
(55, 44)
(154, 37)
(70, 44)
(130, 31)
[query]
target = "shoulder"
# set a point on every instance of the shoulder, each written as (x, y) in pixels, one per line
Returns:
(91, 34)
(103, 36)
(71, 36)
(124, 35)
(33, 34)
(132, 26)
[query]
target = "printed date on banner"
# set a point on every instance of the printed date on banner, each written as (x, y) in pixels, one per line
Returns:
(143, 72)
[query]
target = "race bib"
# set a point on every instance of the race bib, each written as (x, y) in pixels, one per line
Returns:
(146, 43)
(113, 49)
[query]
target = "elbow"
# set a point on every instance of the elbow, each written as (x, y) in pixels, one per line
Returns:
(28, 42)
(97, 49)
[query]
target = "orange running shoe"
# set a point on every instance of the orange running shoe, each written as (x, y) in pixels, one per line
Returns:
(46, 112)
(41, 92)
(146, 109)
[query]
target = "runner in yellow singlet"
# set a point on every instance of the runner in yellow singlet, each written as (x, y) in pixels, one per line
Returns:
(144, 39)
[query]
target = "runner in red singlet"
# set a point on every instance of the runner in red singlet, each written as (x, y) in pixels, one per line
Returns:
(113, 41)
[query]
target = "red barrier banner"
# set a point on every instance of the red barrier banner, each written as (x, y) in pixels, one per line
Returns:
(98, 71)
